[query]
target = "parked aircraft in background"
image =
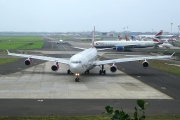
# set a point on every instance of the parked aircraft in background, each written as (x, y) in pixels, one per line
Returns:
(165, 45)
(84, 61)
(166, 36)
(60, 41)
(151, 36)
(163, 39)
(125, 45)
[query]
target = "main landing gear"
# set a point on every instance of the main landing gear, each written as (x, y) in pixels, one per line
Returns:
(68, 71)
(102, 71)
(87, 72)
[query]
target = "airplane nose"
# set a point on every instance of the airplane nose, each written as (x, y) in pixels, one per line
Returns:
(76, 68)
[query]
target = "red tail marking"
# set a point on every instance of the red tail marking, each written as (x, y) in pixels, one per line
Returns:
(155, 40)
(126, 37)
(159, 33)
(119, 38)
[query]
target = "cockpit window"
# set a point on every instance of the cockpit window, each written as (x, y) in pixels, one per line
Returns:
(76, 62)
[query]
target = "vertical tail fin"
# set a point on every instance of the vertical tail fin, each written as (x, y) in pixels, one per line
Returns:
(119, 38)
(159, 33)
(155, 40)
(126, 37)
(93, 37)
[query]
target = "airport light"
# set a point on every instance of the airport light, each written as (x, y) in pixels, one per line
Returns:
(171, 28)
(178, 31)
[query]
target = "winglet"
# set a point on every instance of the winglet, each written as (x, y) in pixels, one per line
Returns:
(173, 54)
(7, 51)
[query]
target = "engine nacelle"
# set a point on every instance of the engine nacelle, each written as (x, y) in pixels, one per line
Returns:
(28, 61)
(119, 48)
(113, 68)
(145, 64)
(55, 67)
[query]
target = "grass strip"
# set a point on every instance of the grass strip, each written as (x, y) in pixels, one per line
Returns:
(25, 43)
(167, 66)
(7, 60)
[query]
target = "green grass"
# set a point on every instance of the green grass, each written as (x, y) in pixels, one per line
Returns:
(165, 117)
(164, 66)
(3, 52)
(24, 43)
(18, 42)
(168, 51)
(7, 60)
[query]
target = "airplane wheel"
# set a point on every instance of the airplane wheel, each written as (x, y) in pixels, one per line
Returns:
(76, 79)
(68, 71)
(104, 72)
(100, 72)
(87, 72)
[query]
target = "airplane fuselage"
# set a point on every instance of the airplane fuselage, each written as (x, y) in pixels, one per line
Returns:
(83, 61)
(165, 36)
(138, 44)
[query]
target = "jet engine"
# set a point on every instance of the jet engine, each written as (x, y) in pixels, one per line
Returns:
(145, 64)
(119, 48)
(28, 61)
(113, 68)
(55, 67)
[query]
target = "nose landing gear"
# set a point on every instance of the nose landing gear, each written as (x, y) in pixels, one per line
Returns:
(77, 77)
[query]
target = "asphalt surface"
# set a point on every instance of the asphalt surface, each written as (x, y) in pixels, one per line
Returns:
(164, 82)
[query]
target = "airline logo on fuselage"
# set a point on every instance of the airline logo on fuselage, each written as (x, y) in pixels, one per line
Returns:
(99, 43)
(84, 65)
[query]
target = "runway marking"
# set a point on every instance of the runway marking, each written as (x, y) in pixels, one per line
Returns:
(133, 55)
(69, 52)
(163, 88)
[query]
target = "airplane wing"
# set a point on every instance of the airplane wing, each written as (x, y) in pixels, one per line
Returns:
(64, 61)
(130, 59)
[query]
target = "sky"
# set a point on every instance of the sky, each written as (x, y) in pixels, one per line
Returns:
(83, 15)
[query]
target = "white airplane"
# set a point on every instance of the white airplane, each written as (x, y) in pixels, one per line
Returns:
(125, 45)
(166, 36)
(165, 45)
(60, 41)
(86, 60)
(151, 36)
